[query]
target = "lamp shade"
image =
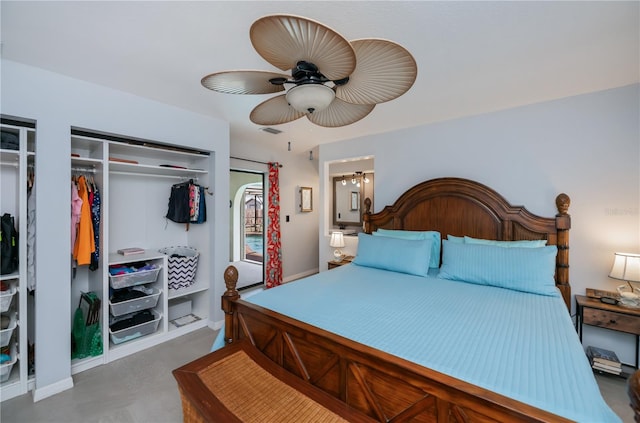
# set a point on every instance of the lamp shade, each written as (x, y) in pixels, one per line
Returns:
(309, 98)
(626, 267)
(337, 240)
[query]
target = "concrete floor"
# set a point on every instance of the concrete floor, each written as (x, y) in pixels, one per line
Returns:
(140, 389)
(136, 389)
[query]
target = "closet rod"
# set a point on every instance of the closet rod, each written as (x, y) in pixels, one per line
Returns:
(252, 161)
(155, 175)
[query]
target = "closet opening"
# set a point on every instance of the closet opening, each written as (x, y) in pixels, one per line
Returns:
(247, 218)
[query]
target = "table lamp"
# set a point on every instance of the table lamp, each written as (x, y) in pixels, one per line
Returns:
(626, 267)
(337, 242)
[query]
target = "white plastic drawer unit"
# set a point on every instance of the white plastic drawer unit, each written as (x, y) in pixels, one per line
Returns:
(136, 331)
(136, 278)
(136, 304)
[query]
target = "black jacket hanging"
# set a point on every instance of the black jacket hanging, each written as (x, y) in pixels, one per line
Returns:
(187, 203)
(8, 244)
(179, 210)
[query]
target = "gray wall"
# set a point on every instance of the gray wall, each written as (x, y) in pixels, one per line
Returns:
(587, 146)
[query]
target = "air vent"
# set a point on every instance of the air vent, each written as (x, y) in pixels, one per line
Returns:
(273, 131)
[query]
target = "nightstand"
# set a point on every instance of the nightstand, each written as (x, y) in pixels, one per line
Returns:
(592, 312)
(346, 260)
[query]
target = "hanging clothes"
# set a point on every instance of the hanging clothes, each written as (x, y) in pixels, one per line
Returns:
(187, 203)
(85, 244)
(202, 210)
(95, 220)
(195, 202)
(31, 235)
(76, 208)
(179, 210)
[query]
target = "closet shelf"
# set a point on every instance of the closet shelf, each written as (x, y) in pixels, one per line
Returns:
(196, 287)
(14, 275)
(152, 170)
(153, 152)
(85, 161)
(149, 254)
(9, 157)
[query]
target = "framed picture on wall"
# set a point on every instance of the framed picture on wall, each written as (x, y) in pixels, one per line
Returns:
(355, 200)
(306, 204)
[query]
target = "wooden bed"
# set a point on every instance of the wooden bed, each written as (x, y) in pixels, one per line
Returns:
(381, 385)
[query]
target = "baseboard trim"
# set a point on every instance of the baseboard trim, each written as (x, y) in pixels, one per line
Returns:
(215, 325)
(54, 388)
(300, 275)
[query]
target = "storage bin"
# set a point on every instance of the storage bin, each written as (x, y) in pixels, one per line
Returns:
(136, 304)
(5, 369)
(182, 266)
(5, 335)
(6, 297)
(135, 278)
(137, 331)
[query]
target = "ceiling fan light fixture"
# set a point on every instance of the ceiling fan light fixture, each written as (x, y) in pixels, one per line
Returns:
(309, 98)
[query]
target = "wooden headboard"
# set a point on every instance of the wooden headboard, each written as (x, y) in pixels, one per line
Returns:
(456, 206)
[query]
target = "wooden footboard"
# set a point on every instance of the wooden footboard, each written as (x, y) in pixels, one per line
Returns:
(385, 387)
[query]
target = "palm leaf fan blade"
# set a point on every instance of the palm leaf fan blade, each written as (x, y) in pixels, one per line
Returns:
(384, 71)
(243, 82)
(274, 111)
(340, 113)
(284, 40)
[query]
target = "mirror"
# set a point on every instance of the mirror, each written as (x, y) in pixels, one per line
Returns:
(348, 198)
(347, 203)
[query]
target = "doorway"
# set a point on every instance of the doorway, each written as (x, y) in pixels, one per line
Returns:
(247, 218)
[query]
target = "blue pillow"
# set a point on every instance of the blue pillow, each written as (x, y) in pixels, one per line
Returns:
(458, 239)
(395, 254)
(508, 244)
(520, 269)
(434, 236)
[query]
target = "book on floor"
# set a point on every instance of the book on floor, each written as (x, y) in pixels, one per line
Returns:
(606, 368)
(602, 356)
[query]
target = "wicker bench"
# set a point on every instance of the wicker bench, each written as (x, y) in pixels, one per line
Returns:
(239, 384)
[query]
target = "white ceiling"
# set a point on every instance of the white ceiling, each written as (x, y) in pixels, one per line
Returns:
(473, 57)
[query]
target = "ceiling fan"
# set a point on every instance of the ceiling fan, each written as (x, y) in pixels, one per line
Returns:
(333, 82)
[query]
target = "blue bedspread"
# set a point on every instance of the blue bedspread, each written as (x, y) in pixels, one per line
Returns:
(521, 345)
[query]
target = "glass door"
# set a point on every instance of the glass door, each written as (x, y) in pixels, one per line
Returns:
(246, 249)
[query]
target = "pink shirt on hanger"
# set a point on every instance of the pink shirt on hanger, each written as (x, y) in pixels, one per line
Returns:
(76, 208)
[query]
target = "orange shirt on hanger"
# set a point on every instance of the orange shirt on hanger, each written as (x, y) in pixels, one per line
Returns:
(85, 244)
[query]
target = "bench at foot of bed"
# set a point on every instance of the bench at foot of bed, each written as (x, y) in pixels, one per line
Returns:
(239, 384)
